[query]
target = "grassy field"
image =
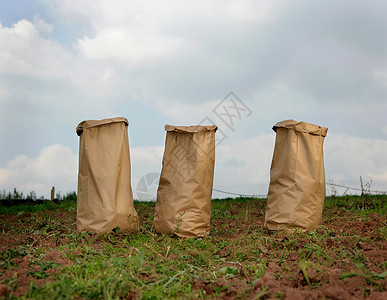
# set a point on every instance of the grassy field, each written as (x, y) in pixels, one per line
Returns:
(43, 257)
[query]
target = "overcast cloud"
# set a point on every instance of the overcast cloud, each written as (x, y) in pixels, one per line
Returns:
(159, 62)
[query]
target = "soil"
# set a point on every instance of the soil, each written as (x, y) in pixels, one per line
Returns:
(289, 282)
(24, 270)
(283, 278)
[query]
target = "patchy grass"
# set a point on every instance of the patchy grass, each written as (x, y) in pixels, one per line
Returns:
(43, 257)
(28, 208)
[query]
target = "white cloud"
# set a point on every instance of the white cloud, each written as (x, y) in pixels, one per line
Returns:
(130, 46)
(380, 77)
(245, 11)
(251, 157)
(177, 50)
(24, 51)
(172, 61)
(151, 156)
(144, 161)
(3, 92)
(242, 165)
(102, 13)
(108, 74)
(161, 48)
(56, 165)
(42, 26)
(180, 113)
(347, 158)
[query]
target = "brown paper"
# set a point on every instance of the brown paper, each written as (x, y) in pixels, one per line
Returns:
(183, 205)
(297, 177)
(105, 198)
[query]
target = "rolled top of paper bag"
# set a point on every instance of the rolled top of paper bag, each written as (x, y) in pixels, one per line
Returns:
(94, 123)
(302, 127)
(190, 129)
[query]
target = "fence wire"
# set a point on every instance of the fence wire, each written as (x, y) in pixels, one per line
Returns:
(364, 191)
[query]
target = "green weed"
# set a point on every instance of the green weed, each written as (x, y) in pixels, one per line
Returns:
(147, 265)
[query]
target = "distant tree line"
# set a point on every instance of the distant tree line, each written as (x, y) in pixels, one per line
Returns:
(18, 195)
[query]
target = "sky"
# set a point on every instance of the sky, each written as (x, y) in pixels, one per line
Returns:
(176, 62)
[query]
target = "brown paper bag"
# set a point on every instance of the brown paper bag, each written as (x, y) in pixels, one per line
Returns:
(183, 205)
(297, 177)
(105, 198)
